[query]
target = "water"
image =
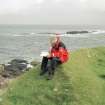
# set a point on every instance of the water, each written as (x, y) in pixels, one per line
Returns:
(27, 41)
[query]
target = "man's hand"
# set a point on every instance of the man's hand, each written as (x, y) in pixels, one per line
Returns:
(49, 55)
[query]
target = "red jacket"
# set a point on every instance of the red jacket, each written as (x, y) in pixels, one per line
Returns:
(61, 52)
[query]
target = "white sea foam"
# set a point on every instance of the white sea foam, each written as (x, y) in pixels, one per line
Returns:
(75, 35)
(98, 32)
(32, 33)
(18, 35)
(23, 34)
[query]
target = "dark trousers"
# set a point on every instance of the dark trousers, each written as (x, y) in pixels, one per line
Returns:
(49, 65)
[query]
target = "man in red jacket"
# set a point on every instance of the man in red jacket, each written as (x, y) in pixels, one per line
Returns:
(58, 54)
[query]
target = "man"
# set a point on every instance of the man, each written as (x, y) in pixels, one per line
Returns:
(58, 54)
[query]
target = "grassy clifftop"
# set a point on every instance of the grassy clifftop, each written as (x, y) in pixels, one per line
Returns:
(81, 81)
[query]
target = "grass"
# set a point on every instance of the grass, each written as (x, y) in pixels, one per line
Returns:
(81, 81)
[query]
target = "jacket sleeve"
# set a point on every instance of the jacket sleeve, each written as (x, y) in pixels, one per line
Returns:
(63, 53)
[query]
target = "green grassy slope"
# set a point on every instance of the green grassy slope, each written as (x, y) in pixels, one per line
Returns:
(81, 81)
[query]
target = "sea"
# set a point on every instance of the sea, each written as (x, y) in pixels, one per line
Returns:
(28, 41)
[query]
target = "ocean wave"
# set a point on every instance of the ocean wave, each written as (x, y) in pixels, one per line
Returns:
(23, 34)
(32, 33)
(98, 32)
(65, 34)
(75, 36)
(44, 33)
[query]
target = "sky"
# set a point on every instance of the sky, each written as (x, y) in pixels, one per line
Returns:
(61, 12)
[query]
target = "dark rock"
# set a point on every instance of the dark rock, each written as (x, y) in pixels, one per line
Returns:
(7, 74)
(77, 32)
(15, 68)
(15, 61)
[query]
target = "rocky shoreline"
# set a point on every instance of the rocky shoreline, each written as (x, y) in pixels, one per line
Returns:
(13, 69)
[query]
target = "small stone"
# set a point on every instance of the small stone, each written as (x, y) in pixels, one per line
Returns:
(55, 89)
(66, 90)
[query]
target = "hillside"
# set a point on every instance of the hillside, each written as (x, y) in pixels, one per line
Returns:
(81, 81)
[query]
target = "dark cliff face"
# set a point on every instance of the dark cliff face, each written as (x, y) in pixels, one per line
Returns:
(77, 32)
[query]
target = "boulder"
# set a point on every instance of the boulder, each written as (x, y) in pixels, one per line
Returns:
(15, 68)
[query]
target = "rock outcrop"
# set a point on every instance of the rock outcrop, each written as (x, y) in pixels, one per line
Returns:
(77, 32)
(15, 68)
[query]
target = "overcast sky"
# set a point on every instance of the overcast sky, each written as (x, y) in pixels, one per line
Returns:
(52, 12)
